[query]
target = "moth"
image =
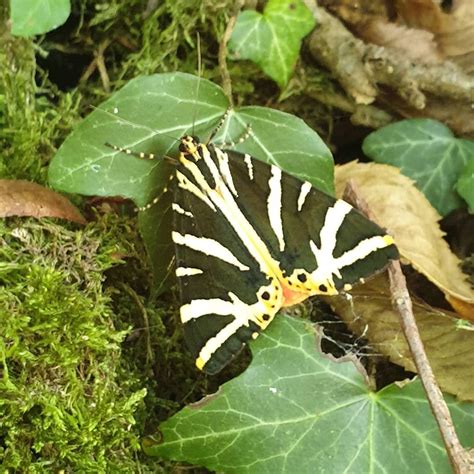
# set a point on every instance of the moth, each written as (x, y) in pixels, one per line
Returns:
(250, 239)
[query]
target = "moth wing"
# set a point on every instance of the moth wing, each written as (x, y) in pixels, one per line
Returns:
(306, 229)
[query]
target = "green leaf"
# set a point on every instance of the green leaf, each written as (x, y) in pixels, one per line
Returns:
(295, 410)
(465, 185)
(426, 151)
(272, 39)
(150, 114)
(35, 17)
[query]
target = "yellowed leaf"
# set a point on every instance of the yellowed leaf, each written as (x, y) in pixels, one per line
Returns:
(401, 208)
(449, 346)
(24, 198)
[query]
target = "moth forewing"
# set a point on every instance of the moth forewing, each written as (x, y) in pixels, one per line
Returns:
(250, 239)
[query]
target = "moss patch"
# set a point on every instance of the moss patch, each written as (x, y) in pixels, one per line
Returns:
(88, 363)
(66, 400)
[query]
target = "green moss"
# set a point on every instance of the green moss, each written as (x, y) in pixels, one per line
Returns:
(35, 119)
(88, 363)
(65, 399)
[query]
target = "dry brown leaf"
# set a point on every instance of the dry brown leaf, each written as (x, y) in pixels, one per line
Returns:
(417, 45)
(448, 345)
(371, 21)
(353, 13)
(465, 310)
(23, 198)
(453, 30)
(401, 208)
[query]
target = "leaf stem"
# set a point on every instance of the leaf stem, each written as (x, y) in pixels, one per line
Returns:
(462, 460)
(226, 80)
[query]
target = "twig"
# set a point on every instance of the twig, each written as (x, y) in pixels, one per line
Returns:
(360, 67)
(226, 81)
(367, 72)
(461, 460)
(365, 115)
(98, 63)
(149, 351)
(336, 48)
(458, 456)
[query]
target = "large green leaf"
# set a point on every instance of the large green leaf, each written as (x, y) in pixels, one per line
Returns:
(150, 114)
(35, 17)
(295, 410)
(426, 151)
(465, 185)
(272, 39)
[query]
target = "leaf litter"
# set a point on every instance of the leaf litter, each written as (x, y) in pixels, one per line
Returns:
(413, 222)
(24, 198)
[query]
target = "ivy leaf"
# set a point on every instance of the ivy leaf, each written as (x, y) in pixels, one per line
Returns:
(150, 114)
(426, 151)
(35, 17)
(465, 185)
(272, 39)
(296, 410)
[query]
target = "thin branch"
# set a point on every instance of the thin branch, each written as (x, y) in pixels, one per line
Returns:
(462, 461)
(226, 81)
(365, 115)
(98, 63)
(369, 73)
(150, 357)
(360, 67)
(458, 456)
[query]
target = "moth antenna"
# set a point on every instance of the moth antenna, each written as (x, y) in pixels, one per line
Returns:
(156, 199)
(128, 151)
(241, 139)
(142, 155)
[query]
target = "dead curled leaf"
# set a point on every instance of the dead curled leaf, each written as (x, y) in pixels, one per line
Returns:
(413, 222)
(453, 29)
(24, 198)
(418, 45)
(449, 347)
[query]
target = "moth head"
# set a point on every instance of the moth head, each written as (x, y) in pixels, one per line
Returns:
(189, 145)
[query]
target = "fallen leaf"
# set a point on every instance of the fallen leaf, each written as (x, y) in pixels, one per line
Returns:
(464, 309)
(401, 208)
(417, 45)
(373, 22)
(24, 198)
(449, 347)
(453, 30)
